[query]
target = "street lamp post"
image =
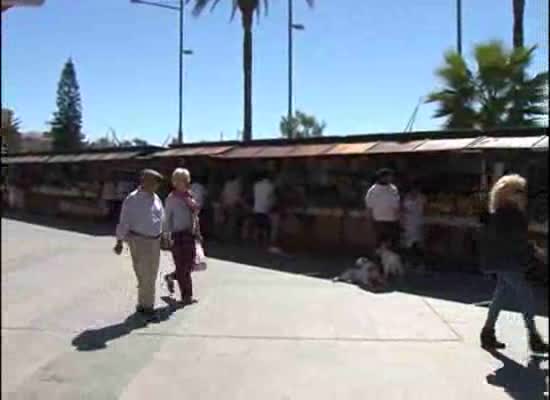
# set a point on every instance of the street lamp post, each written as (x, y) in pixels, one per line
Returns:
(291, 27)
(459, 26)
(181, 53)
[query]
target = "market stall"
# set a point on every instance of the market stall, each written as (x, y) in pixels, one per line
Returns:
(332, 179)
(72, 184)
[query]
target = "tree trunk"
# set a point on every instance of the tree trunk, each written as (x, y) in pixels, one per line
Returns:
(517, 117)
(247, 70)
(519, 8)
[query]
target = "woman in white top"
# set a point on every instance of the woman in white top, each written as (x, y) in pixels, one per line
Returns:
(412, 220)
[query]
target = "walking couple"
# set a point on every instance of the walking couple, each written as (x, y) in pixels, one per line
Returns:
(146, 226)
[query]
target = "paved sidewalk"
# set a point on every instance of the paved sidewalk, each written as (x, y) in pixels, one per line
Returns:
(257, 333)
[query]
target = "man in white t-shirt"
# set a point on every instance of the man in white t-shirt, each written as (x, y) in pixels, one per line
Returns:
(233, 208)
(383, 206)
(263, 203)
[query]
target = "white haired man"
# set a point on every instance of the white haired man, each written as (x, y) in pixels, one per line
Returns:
(140, 225)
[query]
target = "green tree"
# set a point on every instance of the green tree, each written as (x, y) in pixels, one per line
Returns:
(140, 142)
(102, 143)
(66, 126)
(301, 125)
(11, 137)
(247, 9)
(106, 142)
(497, 93)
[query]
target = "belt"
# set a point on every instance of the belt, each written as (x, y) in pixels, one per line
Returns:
(145, 236)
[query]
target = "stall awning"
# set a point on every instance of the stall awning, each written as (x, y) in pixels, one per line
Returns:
(310, 150)
(194, 151)
(287, 151)
(490, 143)
(344, 149)
(70, 158)
(24, 159)
(395, 147)
(541, 145)
(436, 145)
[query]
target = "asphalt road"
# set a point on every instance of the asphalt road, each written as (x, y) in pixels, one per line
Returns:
(256, 333)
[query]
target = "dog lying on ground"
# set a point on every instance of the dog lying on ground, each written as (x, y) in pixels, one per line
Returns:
(390, 262)
(366, 273)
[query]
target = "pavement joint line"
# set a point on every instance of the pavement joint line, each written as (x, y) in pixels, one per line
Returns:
(447, 323)
(250, 337)
(296, 338)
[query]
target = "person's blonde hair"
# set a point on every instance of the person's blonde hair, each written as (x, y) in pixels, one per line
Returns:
(503, 189)
(181, 172)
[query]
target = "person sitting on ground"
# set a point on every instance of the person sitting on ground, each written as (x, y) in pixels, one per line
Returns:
(507, 252)
(366, 273)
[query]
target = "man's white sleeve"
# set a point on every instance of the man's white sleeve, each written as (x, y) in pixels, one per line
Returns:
(123, 227)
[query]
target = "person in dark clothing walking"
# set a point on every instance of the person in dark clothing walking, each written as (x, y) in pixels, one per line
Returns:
(506, 252)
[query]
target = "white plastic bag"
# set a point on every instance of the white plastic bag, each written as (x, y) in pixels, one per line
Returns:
(200, 257)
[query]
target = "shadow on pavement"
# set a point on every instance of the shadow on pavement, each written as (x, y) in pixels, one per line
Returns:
(97, 339)
(461, 287)
(85, 227)
(518, 381)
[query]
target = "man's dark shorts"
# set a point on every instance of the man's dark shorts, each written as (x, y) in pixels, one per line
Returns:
(262, 222)
(387, 232)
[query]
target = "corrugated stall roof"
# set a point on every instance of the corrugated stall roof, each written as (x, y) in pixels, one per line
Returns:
(446, 145)
(302, 150)
(341, 149)
(243, 152)
(24, 159)
(506, 142)
(67, 158)
(541, 145)
(395, 147)
(194, 151)
(309, 150)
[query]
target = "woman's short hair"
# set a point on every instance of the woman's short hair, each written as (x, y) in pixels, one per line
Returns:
(181, 172)
(503, 188)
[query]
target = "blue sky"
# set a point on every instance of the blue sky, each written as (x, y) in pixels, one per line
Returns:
(360, 65)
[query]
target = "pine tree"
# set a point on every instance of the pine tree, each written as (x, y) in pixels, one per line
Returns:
(11, 137)
(66, 125)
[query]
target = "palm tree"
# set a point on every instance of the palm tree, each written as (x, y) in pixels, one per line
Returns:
(247, 8)
(519, 9)
(498, 93)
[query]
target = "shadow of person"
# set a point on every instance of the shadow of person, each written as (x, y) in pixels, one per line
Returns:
(521, 382)
(96, 339)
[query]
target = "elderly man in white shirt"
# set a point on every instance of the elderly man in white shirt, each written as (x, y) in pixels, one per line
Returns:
(383, 206)
(140, 225)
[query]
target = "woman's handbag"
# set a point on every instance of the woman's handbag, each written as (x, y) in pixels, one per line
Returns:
(200, 258)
